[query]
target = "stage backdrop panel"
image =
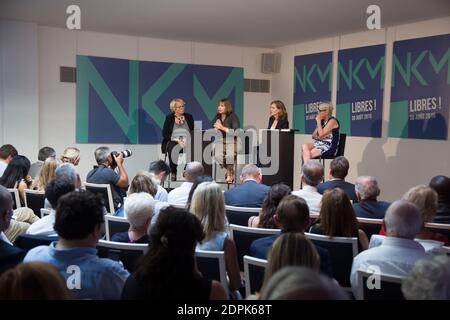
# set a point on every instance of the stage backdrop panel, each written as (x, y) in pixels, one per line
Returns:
(312, 84)
(420, 94)
(126, 101)
(360, 84)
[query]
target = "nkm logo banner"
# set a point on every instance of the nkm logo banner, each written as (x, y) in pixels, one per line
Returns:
(312, 84)
(360, 83)
(126, 101)
(420, 94)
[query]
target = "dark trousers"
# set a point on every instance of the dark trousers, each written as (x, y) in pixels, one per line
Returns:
(173, 150)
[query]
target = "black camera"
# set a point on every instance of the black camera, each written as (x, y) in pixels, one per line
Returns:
(125, 153)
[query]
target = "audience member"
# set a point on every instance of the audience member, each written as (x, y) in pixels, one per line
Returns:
(168, 270)
(208, 206)
(251, 192)
(68, 171)
(367, 191)
(399, 252)
(428, 280)
(138, 211)
(33, 281)
(55, 189)
(197, 182)
(104, 173)
(312, 174)
(16, 176)
(161, 170)
(292, 215)
(301, 283)
(7, 152)
(291, 249)
(71, 155)
(337, 218)
(43, 154)
(45, 174)
(269, 207)
(9, 255)
(79, 216)
(441, 184)
(339, 167)
(180, 195)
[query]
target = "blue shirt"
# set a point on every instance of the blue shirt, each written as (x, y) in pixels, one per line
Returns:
(100, 278)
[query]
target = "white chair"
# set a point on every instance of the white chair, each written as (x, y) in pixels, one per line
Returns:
(44, 212)
(254, 269)
(16, 197)
(370, 226)
(342, 250)
(212, 266)
(240, 215)
(105, 191)
(114, 225)
(244, 236)
(382, 286)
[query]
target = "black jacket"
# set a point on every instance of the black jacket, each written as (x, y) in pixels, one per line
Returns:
(168, 128)
(282, 123)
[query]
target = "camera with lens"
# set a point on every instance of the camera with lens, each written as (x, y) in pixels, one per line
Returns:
(125, 153)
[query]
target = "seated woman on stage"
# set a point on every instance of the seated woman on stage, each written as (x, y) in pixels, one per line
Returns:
(226, 149)
(278, 116)
(176, 127)
(325, 136)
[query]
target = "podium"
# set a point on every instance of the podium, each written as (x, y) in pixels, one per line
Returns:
(278, 146)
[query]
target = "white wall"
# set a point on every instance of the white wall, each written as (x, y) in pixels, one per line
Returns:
(19, 95)
(54, 124)
(397, 163)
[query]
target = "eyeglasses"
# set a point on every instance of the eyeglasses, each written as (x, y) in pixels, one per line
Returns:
(178, 107)
(320, 110)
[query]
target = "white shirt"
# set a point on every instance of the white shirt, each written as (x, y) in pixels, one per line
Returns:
(180, 195)
(44, 226)
(395, 256)
(312, 198)
(3, 166)
(430, 246)
(161, 194)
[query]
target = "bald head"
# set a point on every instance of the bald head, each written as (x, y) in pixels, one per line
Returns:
(193, 171)
(312, 172)
(403, 220)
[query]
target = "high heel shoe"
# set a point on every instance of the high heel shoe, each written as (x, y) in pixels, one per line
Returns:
(230, 175)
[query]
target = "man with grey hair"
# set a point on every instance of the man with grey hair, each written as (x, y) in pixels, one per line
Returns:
(312, 174)
(180, 195)
(9, 255)
(69, 171)
(105, 173)
(367, 191)
(399, 252)
(251, 192)
(428, 280)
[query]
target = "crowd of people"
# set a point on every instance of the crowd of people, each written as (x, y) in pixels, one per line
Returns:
(177, 223)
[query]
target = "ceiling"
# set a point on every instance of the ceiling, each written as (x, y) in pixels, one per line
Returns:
(253, 23)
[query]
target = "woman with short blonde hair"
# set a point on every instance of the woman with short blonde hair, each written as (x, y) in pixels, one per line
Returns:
(71, 155)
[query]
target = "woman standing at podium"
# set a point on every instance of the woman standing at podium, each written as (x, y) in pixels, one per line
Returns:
(325, 135)
(278, 116)
(177, 126)
(226, 149)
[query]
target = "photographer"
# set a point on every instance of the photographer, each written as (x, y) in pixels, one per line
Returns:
(105, 173)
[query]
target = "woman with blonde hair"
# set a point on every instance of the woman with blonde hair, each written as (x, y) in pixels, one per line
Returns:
(209, 207)
(71, 155)
(426, 200)
(176, 128)
(291, 249)
(46, 173)
(325, 136)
